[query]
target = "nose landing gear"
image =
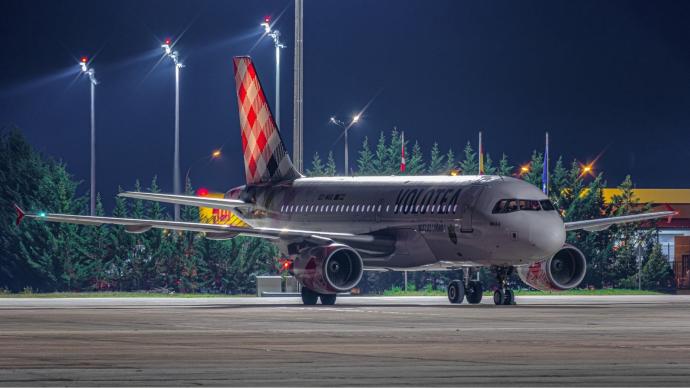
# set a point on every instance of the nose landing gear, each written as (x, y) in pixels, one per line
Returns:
(461, 289)
(503, 295)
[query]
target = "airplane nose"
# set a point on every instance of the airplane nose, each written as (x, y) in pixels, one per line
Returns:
(548, 236)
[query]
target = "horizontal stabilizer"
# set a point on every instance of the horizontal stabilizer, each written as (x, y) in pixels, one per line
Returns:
(188, 200)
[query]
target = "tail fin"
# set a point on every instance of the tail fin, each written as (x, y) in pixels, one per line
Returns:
(265, 157)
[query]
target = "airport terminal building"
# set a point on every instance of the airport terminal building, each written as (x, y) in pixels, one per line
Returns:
(674, 236)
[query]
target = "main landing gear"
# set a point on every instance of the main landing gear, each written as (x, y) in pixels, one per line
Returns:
(503, 295)
(310, 297)
(470, 289)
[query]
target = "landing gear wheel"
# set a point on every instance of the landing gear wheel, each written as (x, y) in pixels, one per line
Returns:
(328, 299)
(456, 292)
(473, 292)
(509, 298)
(499, 297)
(309, 297)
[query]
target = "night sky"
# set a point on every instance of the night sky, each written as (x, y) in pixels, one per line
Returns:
(600, 76)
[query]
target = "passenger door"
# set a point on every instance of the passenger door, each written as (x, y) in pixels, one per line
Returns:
(468, 199)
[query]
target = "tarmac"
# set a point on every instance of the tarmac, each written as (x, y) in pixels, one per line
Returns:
(361, 341)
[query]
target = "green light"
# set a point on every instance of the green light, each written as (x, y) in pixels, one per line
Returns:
(41, 214)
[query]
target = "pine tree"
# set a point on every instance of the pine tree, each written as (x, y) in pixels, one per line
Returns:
(470, 165)
(489, 168)
(330, 169)
(436, 165)
(415, 165)
(99, 251)
(450, 162)
(366, 159)
(394, 153)
(504, 167)
(535, 172)
(656, 271)
(317, 167)
(381, 157)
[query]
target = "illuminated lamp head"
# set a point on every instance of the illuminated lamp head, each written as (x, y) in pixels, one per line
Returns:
(202, 192)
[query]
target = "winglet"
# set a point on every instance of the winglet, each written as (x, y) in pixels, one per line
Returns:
(670, 217)
(20, 213)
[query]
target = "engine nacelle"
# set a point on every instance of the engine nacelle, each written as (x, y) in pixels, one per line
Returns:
(328, 269)
(563, 271)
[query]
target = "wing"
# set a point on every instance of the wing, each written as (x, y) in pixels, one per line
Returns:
(605, 223)
(215, 231)
(188, 200)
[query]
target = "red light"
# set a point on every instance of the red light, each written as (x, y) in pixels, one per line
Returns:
(202, 192)
(83, 59)
(168, 41)
(267, 19)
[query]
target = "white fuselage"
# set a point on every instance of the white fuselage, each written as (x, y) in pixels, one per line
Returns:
(417, 221)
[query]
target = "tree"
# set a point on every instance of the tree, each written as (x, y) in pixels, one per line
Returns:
(436, 161)
(535, 172)
(366, 159)
(381, 157)
(99, 251)
(415, 165)
(330, 169)
(450, 162)
(504, 167)
(317, 167)
(470, 165)
(489, 168)
(656, 271)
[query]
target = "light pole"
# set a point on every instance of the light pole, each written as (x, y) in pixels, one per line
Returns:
(85, 69)
(216, 154)
(345, 128)
(168, 51)
(275, 34)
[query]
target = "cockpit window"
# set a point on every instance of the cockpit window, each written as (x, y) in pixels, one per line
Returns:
(547, 205)
(526, 204)
(505, 206)
(512, 205)
(500, 205)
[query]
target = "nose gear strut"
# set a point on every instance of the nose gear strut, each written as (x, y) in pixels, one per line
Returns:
(503, 295)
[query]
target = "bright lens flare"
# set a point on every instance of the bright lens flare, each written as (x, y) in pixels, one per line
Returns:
(216, 154)
(524, 169)
(587, 169)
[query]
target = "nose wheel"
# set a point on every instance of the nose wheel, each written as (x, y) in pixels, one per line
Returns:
(503, 295)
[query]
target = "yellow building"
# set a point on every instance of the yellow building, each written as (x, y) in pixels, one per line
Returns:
(674, 234)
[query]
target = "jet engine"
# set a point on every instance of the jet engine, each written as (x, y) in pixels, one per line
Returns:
(562, 271)
(328, 269)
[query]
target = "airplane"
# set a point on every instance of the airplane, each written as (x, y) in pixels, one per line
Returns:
(332, 229)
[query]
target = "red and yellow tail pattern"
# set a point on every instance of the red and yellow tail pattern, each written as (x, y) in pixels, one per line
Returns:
(265, 157)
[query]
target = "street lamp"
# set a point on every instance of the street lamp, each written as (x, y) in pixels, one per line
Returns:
(174, 55)
(586, 169)
(85, 69)
(275, 34)
(216, 154)
(345, 128)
